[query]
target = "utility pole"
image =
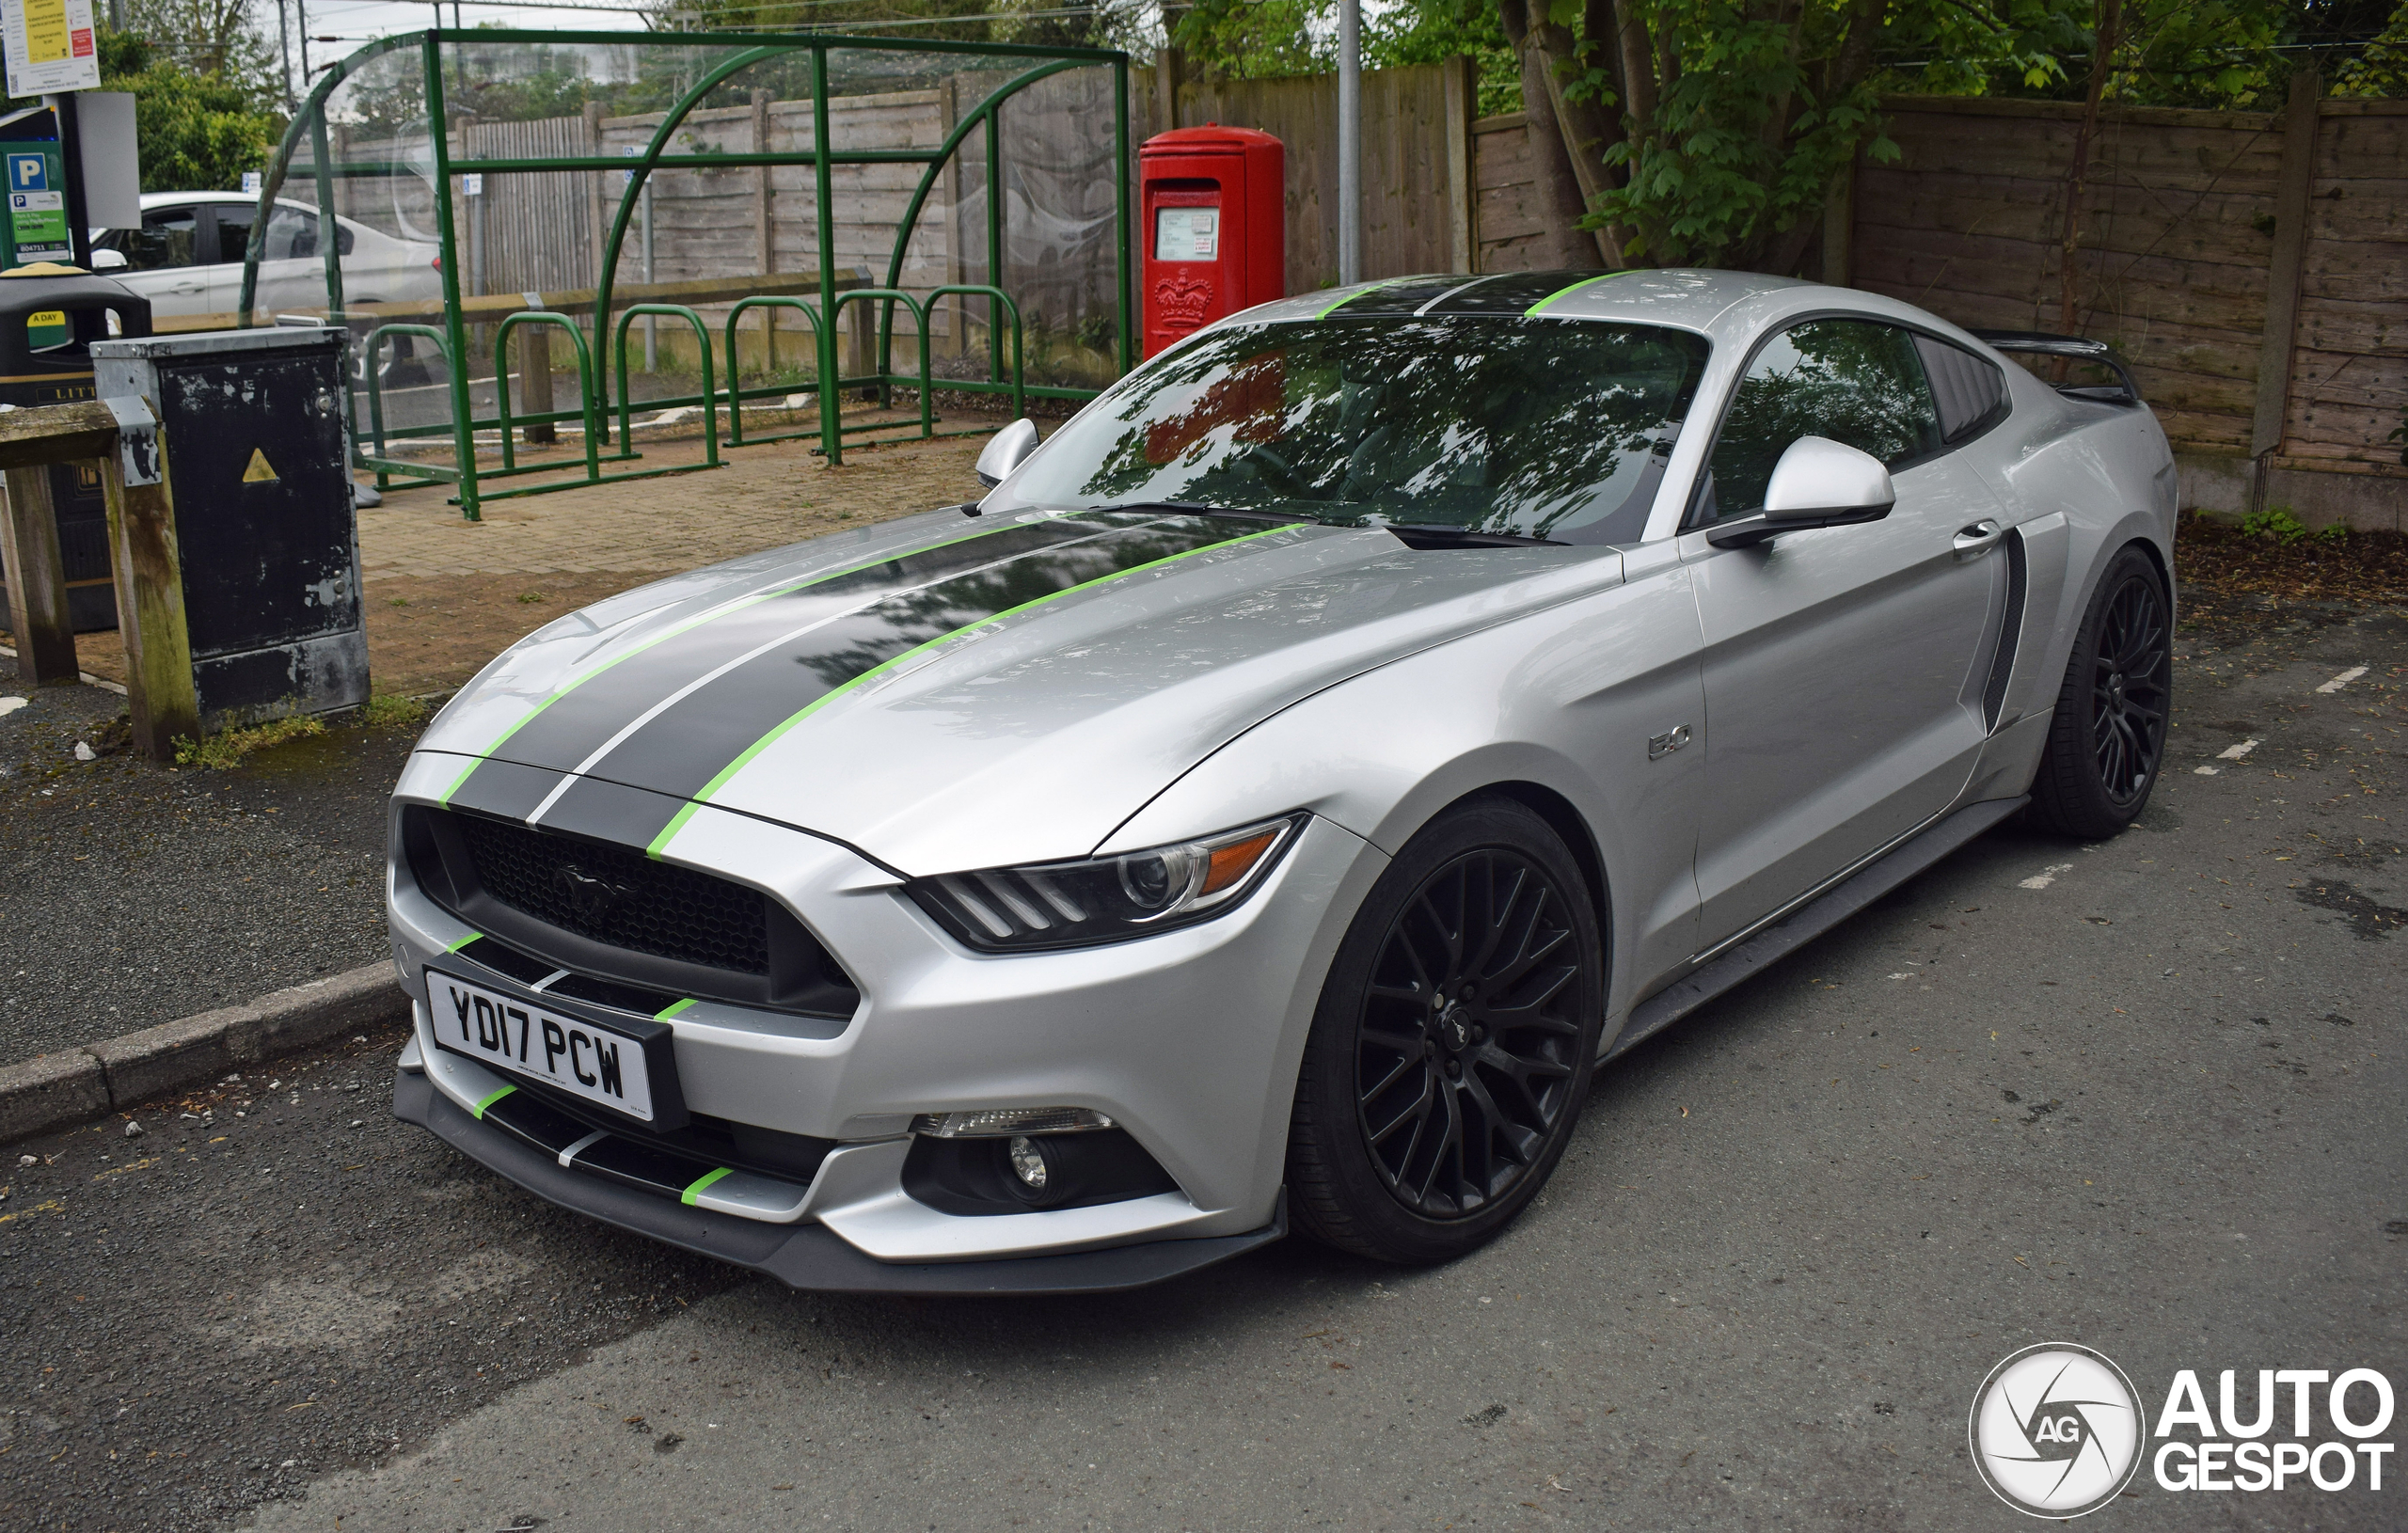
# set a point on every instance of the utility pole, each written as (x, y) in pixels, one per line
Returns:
(1350, 141)
(283, 49)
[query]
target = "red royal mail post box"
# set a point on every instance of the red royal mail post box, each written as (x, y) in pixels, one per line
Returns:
(1214, 201)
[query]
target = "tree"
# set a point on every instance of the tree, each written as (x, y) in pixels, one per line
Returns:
(198, 131)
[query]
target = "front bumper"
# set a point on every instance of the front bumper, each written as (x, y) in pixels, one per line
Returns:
(1188, 1040)
(809, 1256)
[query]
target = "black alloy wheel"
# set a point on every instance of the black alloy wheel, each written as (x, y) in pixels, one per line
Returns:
(1455, 1041)
(1462, 1050)
(2130, 682)
(2106, 741)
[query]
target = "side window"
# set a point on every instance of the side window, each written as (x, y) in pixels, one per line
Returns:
(165, 238)
(1971, 392)
(291, 235)
(1852, 381)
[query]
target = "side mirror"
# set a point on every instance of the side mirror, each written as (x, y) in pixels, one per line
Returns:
(1817, 482)
(106, 260)
(1006, 451)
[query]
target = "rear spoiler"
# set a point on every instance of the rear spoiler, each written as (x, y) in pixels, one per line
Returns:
(2075, 348)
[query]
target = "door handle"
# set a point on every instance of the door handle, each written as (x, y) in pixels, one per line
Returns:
(1980, 538)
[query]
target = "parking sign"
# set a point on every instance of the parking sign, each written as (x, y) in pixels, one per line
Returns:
(28, 172)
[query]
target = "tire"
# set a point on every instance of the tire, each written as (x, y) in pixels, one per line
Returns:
(1420, 1131)
(2107, 738)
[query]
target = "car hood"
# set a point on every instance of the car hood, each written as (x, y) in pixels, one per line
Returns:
(946, 693)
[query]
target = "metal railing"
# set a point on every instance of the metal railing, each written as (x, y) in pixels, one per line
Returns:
(828, 381)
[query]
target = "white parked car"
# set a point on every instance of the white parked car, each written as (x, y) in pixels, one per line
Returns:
(187, 256)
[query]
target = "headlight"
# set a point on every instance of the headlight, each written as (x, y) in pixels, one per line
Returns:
(1108, 899)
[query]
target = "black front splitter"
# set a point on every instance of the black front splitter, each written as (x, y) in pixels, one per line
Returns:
(809, 1256)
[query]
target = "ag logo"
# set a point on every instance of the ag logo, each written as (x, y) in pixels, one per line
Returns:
(2056, 1430)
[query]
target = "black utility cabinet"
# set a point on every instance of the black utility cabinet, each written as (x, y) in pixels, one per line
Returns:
(51, 363)
(251, 425)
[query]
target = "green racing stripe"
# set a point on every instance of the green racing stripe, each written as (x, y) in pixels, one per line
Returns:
(964, 633)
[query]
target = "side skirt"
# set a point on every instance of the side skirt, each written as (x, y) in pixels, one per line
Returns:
(1678, 998)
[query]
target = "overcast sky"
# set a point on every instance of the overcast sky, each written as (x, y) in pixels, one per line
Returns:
(355, 22)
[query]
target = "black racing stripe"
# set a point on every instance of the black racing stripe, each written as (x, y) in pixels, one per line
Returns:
(613, 812)
(504, 788)
(579, 721)
(1510, 293)
(1401, 296)
(681, 751)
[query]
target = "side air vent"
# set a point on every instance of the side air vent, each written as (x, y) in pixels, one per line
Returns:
(2010, 631)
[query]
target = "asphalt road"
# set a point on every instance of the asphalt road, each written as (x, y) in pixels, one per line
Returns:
(130, 895)
(2146, 1096)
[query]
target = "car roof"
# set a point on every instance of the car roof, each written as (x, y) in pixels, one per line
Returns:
(1717, 303)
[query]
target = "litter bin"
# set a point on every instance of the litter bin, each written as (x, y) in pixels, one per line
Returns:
(50, 315)
(251, 426)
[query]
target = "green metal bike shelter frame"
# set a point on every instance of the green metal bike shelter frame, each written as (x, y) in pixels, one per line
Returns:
(593, 364)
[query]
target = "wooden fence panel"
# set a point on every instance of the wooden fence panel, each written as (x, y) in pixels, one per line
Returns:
(1417, 213)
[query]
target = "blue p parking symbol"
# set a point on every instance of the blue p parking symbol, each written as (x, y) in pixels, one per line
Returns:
(28, 172)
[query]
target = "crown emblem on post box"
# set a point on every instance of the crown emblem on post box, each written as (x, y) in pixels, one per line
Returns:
(1181, 300)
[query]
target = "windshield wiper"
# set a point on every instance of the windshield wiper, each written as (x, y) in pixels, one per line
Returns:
(1448, 535)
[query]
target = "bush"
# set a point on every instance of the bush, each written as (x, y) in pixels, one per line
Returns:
(2276, 524)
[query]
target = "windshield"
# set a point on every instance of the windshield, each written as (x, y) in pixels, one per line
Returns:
(1532, 428)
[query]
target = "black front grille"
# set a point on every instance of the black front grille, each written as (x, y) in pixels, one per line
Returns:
(619, 896)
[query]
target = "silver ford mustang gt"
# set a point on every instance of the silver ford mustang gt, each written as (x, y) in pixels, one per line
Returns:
(1275, 798)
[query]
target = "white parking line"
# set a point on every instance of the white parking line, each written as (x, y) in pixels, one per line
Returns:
(11, 704)
(2343, 679)
(2046, 876)
(2205, 771)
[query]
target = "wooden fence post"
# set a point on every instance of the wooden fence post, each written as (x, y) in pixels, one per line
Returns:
(1462, 197)
(150, 608)
(535, 379)
(36, 581)
(2280, 338)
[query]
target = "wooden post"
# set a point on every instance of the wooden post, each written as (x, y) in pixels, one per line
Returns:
(1462, 197)
(597, 187)
(151, 609)
(1839, 229)
(2279, 340)
(1168, 65)
(957, 342)
(764, 233)
(36, 581)
(535, 380)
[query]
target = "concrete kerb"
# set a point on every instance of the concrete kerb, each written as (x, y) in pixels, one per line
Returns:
(57, 1091)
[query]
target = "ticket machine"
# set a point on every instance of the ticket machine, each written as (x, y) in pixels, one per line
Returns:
(1215, 231)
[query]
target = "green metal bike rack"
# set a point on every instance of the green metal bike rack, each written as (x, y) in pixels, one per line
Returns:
(584, 395)
(736, 395)
(746, 50)
(709, 395)
(977, 289)
(828, 402)
(386, 466)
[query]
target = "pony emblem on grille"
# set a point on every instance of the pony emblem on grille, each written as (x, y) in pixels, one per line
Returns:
(591, 897)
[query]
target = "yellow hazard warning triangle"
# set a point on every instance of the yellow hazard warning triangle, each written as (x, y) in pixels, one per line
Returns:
(259, 472)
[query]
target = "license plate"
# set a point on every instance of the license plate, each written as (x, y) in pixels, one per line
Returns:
(601, 1065)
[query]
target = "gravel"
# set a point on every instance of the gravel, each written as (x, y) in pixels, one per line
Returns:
(131, 895)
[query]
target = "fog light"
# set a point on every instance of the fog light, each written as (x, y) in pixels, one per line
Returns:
(1028, 1163)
